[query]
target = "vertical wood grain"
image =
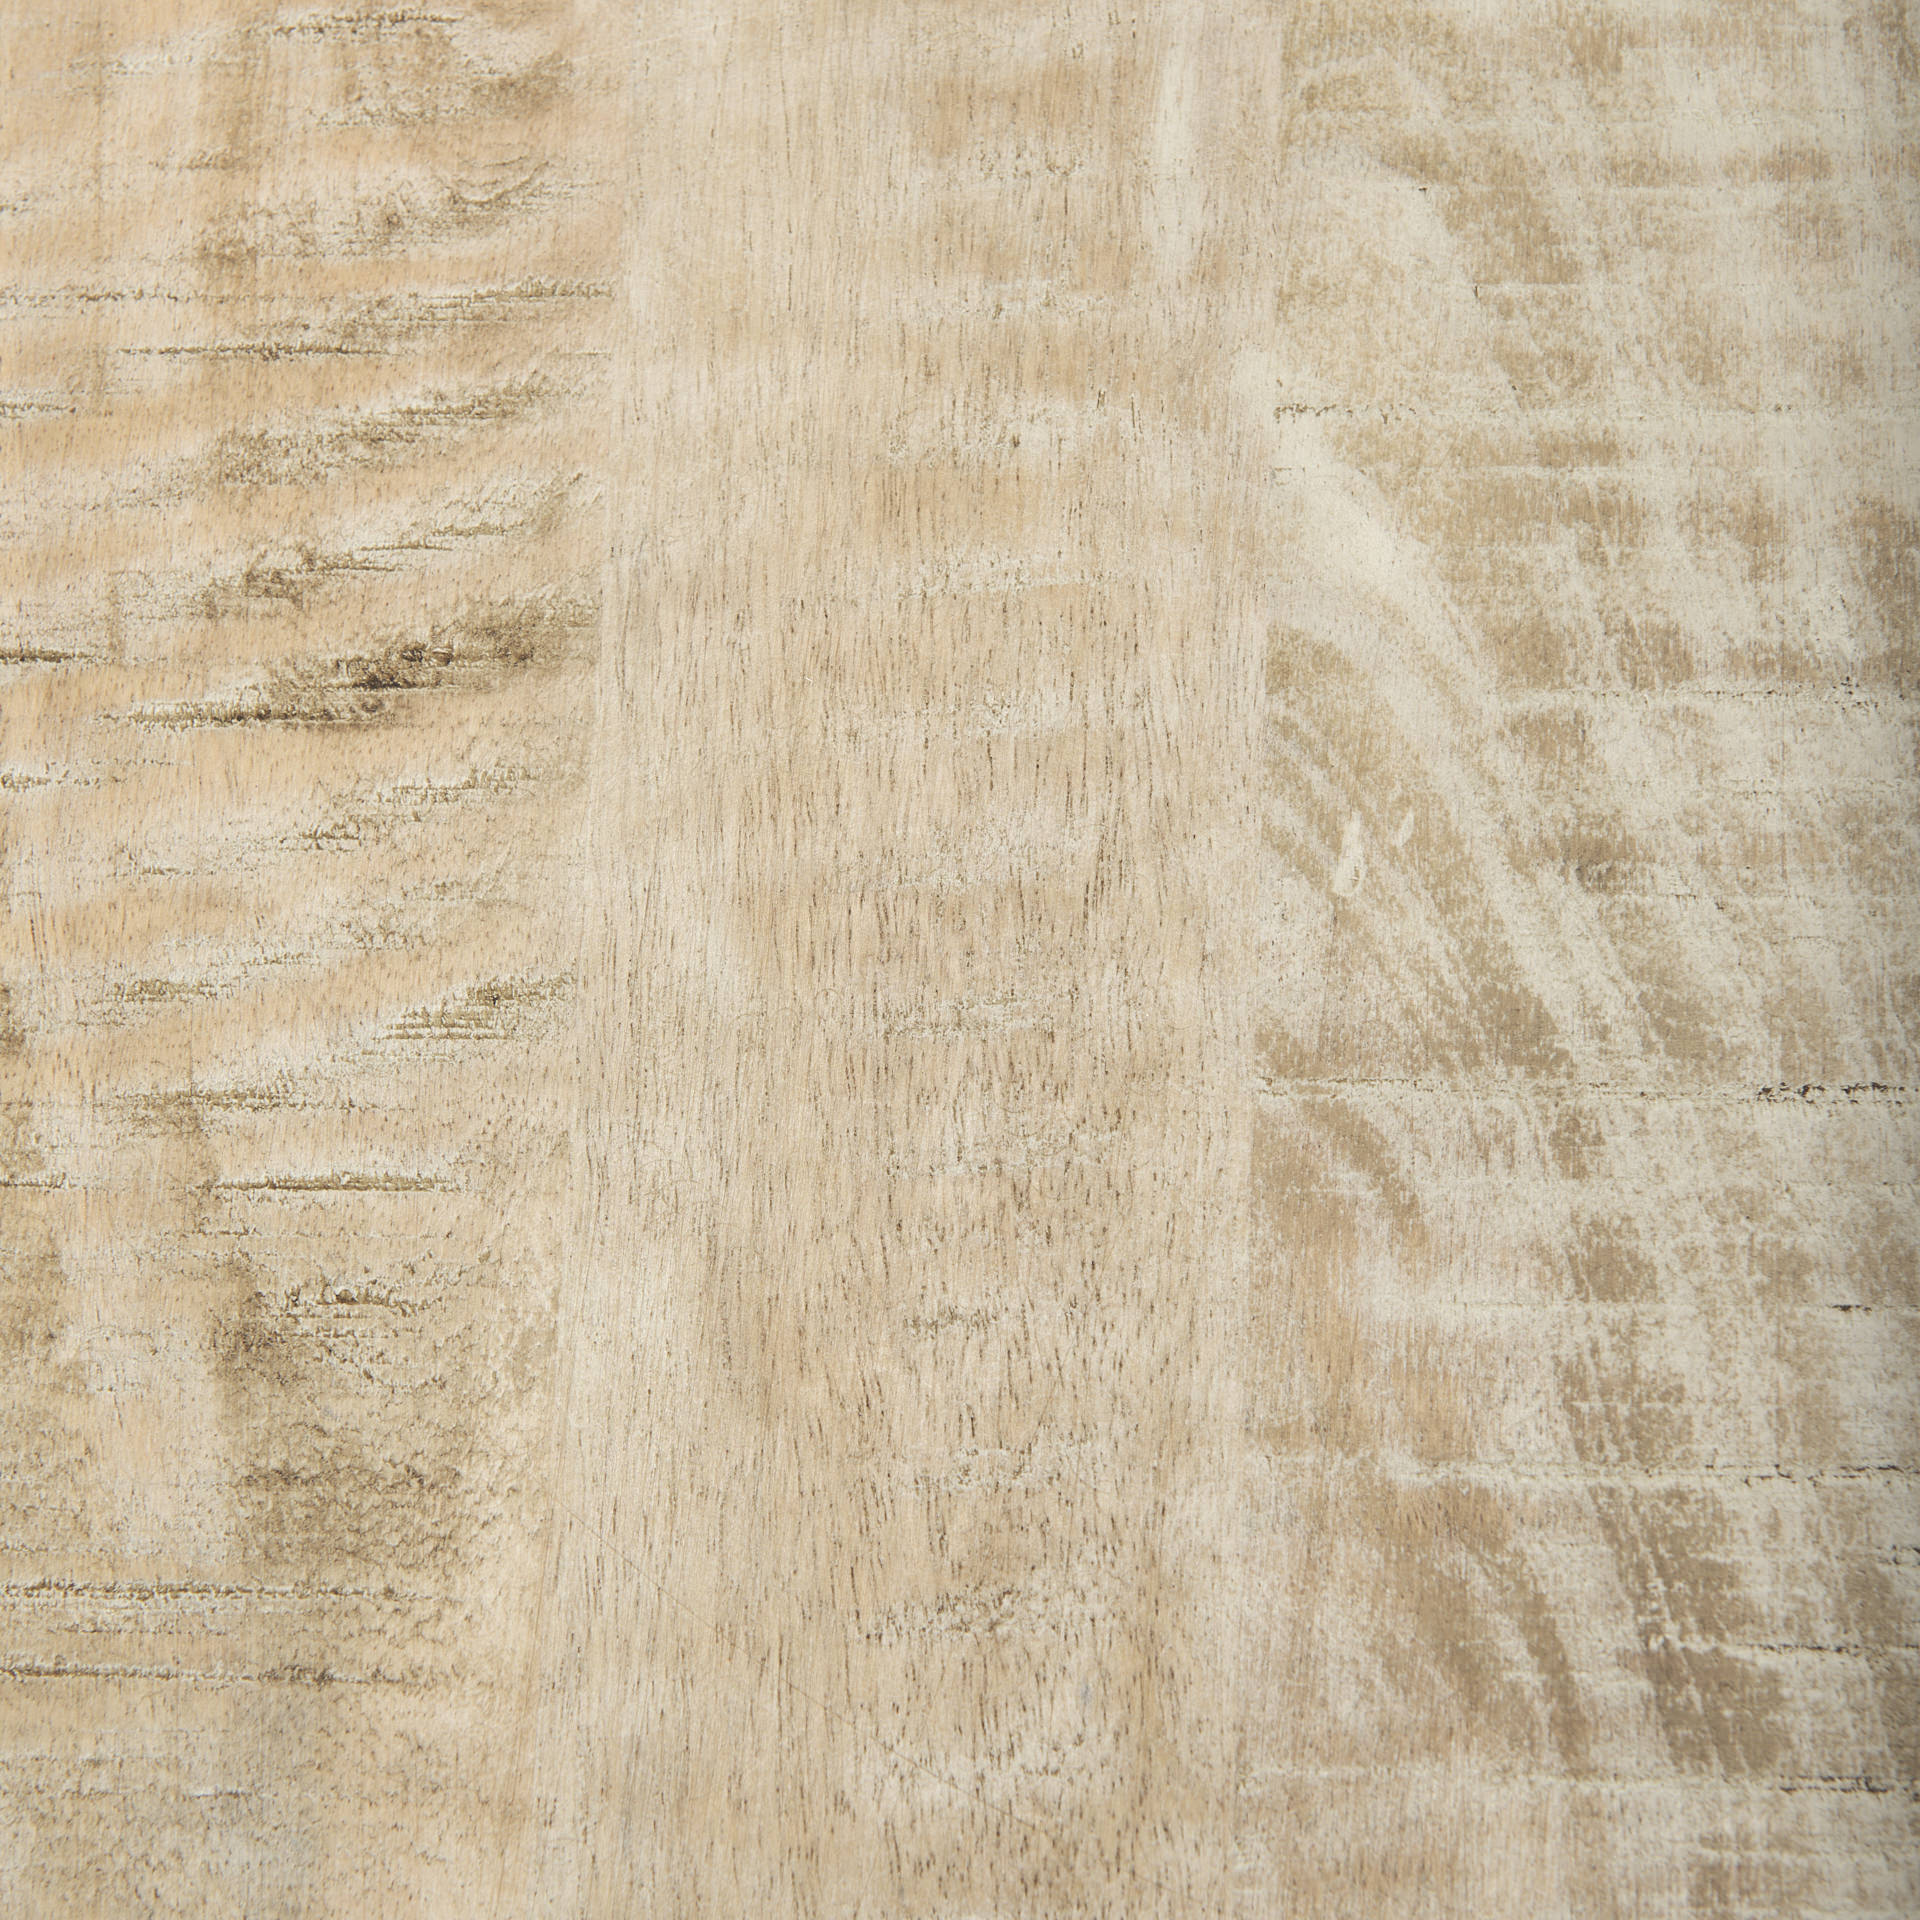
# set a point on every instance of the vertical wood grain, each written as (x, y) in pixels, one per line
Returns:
(957, 960)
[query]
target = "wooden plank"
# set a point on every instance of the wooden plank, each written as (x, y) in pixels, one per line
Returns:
(957, 960)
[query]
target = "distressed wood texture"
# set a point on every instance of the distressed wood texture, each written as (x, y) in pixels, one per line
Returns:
(959, 959)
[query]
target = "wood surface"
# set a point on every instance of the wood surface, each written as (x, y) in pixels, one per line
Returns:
(959, 959)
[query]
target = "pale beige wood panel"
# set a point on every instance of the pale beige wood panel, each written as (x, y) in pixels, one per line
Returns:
(894, 1565)
(303, 361)
(1581, 1388)
(958, 960)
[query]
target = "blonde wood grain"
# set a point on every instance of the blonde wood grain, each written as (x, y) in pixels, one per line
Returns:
(958, 959)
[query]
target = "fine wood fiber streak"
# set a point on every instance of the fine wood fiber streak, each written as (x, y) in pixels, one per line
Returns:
(959, 960)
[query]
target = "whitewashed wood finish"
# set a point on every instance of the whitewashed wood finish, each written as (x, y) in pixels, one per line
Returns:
(959, 959)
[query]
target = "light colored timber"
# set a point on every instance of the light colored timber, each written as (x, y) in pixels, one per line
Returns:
(959, 960)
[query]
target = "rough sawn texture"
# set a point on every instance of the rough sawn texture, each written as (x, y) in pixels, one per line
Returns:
(959, 960)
